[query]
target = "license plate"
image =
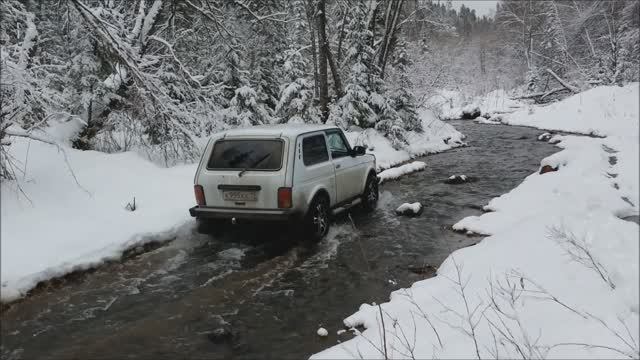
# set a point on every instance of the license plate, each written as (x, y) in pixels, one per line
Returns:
(240, 195)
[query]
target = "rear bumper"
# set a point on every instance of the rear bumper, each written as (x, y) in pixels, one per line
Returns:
(204, 212)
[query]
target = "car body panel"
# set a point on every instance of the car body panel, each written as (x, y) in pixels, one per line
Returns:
(340, 179)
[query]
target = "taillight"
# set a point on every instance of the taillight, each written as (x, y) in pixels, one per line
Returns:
(284, 198)
(199, 195)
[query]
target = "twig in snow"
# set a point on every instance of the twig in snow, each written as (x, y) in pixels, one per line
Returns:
(28, 135)
(577, 248)
(384, 333)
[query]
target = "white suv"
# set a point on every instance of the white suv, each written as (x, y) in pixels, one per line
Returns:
(298, 173)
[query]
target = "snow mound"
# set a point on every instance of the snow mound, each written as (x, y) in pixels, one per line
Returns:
(397, 172)
(322, 332)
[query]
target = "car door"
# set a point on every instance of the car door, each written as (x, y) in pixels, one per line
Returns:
(313, 166)
(347, 169)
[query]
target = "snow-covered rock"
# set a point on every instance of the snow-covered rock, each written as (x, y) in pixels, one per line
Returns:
(545, 136)
(491, 121)
(410, 209)
(322, 332)
(547, 168)
(470, 112)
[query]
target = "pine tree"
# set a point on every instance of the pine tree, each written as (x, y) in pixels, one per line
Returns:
(296, 94)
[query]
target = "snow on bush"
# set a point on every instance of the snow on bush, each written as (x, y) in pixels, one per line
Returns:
(436, 136)
(558, 275)
(452, 105)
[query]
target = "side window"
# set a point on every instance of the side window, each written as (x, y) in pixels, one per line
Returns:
(314, 150)
(337, 144)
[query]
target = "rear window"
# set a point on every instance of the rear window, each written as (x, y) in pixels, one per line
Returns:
(314, 150)
(246, 154)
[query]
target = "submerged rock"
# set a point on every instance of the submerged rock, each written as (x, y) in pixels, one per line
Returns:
(422, 269)
(220, 335)
(459, 179)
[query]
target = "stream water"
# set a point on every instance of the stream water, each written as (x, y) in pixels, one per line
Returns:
(259, 293)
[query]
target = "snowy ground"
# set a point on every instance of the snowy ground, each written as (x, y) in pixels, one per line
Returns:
(557, 276)
(54, 225)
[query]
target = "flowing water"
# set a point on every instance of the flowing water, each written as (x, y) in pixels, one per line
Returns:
(258, 292)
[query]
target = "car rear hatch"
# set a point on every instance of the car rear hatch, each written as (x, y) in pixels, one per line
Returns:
(244, 173)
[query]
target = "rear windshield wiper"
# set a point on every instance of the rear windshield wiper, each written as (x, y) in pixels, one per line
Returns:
(254, 164)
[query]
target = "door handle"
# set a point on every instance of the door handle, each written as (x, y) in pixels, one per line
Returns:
(337, 166)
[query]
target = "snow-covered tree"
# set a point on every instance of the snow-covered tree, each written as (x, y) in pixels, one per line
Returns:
(296, 95)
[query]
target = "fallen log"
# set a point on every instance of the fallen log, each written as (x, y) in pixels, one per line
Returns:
(562, 82)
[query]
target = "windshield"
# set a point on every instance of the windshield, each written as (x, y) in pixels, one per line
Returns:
(246, 155)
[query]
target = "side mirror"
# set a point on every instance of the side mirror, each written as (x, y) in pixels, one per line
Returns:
(359, 150)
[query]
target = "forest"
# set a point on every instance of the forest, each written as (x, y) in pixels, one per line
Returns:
(159, 76)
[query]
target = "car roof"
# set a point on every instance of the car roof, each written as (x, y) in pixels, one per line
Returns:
(281, 130)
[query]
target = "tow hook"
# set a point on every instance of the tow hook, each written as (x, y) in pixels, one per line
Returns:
(233, 221)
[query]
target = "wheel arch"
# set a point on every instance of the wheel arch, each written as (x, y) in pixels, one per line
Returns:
(370, 172)
(319, 191)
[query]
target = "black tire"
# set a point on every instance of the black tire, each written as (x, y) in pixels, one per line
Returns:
(210, 227)
(316, 222)
(370, 195)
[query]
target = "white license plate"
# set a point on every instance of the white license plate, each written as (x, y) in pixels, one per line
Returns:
(240, 195)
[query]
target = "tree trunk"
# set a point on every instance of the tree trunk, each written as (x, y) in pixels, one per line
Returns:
(309, 10)
(337, 83)
(372, 28)
(322, 60)
(341, 37)
(389, 35)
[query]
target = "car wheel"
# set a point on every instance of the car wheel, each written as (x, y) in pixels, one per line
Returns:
(317, 222)
(370, 195)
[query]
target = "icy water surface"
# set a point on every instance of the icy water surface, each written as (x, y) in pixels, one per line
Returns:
(257, 293)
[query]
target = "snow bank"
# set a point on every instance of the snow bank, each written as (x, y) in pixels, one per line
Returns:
(396, 172)
(60, 226)
(558, 275)
(603, 111)
(610, 111)
(437, 136)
